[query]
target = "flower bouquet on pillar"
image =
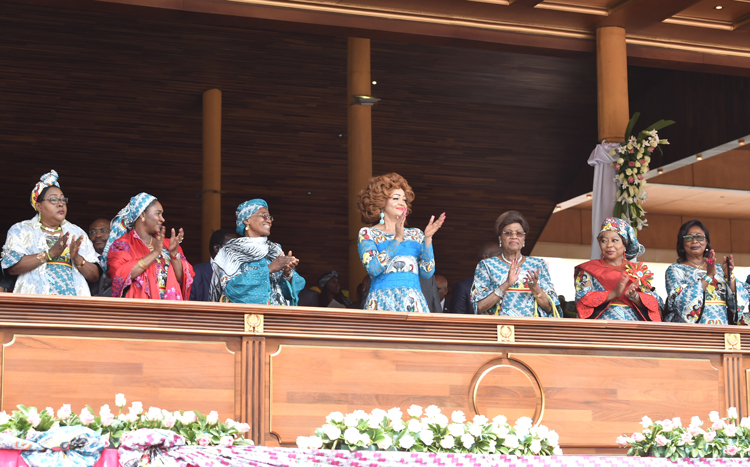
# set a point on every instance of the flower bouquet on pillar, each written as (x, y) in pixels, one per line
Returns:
(630, 161)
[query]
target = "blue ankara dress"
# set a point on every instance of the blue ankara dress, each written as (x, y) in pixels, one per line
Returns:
(255, 284)
(518, 300)
(689, 303)
(395, 269)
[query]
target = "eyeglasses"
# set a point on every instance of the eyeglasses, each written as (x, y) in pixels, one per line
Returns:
(56, 200)
(104, 231)
(697, 238)
(266, 217)
(517, 233)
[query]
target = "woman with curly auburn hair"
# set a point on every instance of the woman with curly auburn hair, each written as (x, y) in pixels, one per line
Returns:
(394, 256)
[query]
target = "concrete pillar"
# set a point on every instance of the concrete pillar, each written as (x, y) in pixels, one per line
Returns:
(211, 168)
(612, 83)
(360, 146)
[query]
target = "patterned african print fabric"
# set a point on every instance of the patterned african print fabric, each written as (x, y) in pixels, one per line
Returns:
(689, 303)
(591, 295)
(395, 269)
(124, 222)
(518, 299)
(241, 274)
(56, 277)
(157, 282)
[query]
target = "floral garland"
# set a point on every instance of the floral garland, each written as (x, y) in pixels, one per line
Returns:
(631, 161)
(433, 432)
(196, 428)
(668, 438)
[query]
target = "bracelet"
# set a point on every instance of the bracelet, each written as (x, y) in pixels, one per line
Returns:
(539, 295)
(174, 257)
(142, 264)
(83, 262)
(498, 291)
(49, 258)
(708, 279)
(41, 257)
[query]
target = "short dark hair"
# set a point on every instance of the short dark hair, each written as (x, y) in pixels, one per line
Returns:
(681, 255)
(217, 238)
(511, 217)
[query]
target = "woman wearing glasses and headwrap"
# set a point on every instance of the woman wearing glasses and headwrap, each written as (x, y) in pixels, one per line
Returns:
(253, 269)
(614, 287)
(50, 255)
(140, 260)
(700, 292)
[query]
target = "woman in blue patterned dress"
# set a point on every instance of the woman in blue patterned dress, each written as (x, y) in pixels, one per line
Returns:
(394, 256)
(50, 255)
(613, 287)
(513, 284)
(253, 269)
(699, 292)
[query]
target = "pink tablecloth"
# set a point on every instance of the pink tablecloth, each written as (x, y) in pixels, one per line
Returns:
(9, 458)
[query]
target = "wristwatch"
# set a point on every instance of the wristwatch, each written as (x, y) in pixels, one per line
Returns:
(498, 291)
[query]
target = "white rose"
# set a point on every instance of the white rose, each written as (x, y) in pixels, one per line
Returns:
(646, 422)
(331, 431)
(525, 422)
(475, 430)
(467, 440)
(714, 416)
(303, 442)
(426, 423)
(480, 420)
(398, 425)
(442, 421)
(432, 411)
(386, 443)
(315, 442)
(407, 441)
(458, 417)
(364, 438)
(493, 446)
(511, 441)
(120, 400)
(732, 412)
(677, 422)
(500, 420)
(376, 419)
(351, 436)
(522, 432)
(536, 446)
(456, 429)
(350, 420)
(427, 437)
(415, 411)
(501, 431)
(557, 451)
(137, 407)
(360, 414)
(539, 431)
(448, 442)
(4, 418)
(553, 439)
(395, 414)
(156, 414)
(745, 422)
(414, 425)
(337, 417)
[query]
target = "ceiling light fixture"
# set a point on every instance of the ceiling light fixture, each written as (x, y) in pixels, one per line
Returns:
(374, 82)
(660, 171)
(699, 157)
(365, 100)
(718, 7)
(589, 196)
(741, 142)
(558, 208)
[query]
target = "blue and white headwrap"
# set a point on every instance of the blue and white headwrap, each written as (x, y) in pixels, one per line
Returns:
(326, 277)
(47, 180)
(247, 209)
(124, 221)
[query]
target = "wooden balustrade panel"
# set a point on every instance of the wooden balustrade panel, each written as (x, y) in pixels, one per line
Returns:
(46, 370)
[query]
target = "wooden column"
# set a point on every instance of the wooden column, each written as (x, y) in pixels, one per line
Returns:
(612, 83)
(211, 194)
(360, 146)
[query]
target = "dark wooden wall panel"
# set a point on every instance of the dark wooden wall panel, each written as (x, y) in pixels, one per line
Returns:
(113, 103)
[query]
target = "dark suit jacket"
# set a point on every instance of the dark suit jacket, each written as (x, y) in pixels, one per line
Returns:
(201, 291)
(429, 290)
(460, 297)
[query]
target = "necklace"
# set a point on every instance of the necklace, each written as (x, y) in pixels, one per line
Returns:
(607, 264)
(506, 259)
(50, 229)
(697, 266)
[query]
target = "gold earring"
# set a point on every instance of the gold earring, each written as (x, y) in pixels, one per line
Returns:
(143, 218)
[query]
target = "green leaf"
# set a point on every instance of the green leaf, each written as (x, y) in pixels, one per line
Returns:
(631, 124)
(659, 125)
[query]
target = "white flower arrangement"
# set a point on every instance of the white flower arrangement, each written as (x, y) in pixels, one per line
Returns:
(722, 437)
(430, 430)
(631, 162)
(196, 428)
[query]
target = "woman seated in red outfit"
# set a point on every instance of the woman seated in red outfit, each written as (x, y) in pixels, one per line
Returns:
(141, 262)
(614, 287)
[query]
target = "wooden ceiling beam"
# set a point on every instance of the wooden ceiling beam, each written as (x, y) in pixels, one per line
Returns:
(634, 15)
